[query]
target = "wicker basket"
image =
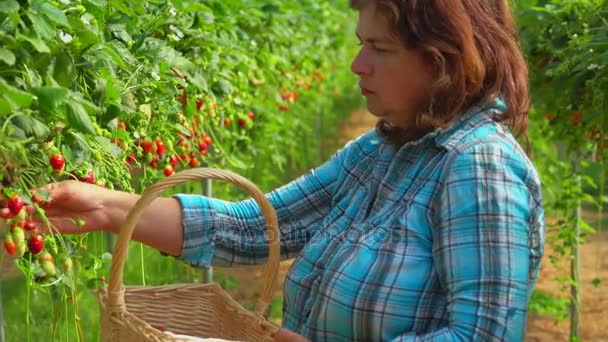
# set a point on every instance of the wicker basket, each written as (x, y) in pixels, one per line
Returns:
(134, 313)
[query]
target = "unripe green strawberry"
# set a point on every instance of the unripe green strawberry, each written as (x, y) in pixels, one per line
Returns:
(18, 235)
(21, 250)
(48, 268)
(21, 216)
(66, 264)
(45, 256)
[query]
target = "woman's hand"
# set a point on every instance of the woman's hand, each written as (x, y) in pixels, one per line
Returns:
(284, 335)
(72, 203)
(160, 225)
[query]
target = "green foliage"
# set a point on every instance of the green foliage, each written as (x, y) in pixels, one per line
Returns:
(566, 43)
(250, 86)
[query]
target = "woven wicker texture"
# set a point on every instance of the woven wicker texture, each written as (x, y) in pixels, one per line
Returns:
(134, 313)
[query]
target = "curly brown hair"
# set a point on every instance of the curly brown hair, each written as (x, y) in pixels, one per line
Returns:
(473, 47)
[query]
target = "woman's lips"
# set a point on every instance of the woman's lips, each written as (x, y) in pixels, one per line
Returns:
(365, 91)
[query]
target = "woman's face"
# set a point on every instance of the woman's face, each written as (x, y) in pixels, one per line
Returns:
(395, 81)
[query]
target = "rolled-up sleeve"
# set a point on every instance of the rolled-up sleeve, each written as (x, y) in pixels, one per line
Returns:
(224, 233)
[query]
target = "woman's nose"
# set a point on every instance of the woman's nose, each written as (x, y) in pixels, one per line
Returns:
(361, 65)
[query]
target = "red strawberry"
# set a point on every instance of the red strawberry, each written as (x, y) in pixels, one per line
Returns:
(146, 145)
(202, 147)
(199, 104)
(576, 118)
(30, 226)
(9, 245)
(154, 162)
(35, 244)
(251, 115)
(36, 198)
(184, 144)
(173, 160)
(15, 204)
(207, 140)
(168, 170)
(131, 158)
(6, 213)
(57, 162)
(183, 157)
(89, 178)
(242, 123)
(160, 146)
(227, 122)
(193, 163)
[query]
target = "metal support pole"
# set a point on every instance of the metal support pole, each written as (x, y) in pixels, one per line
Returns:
(207, 274)
(575, 294)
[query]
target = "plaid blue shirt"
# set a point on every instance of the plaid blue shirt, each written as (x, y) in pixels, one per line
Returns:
(437, 240)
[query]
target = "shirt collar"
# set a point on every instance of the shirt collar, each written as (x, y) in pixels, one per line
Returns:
(478, 114)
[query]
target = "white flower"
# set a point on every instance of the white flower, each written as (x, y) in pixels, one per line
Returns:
(593, 66)
(86, 18)
(65, 37)
(172, 11)
(178, 33)
(155, 75)
(65, 2)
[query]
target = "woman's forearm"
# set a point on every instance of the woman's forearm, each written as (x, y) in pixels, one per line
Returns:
(160, 225)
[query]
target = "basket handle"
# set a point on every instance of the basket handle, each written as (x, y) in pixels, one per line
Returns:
(116, 301)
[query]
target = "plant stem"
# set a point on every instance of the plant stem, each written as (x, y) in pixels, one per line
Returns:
(27, 299)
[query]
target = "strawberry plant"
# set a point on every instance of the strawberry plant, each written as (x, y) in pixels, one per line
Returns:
(121, 95)
(567, 47)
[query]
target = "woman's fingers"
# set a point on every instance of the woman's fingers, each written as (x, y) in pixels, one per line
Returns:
(59, 191)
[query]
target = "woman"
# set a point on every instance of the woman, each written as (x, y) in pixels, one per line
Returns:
(429, 227)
